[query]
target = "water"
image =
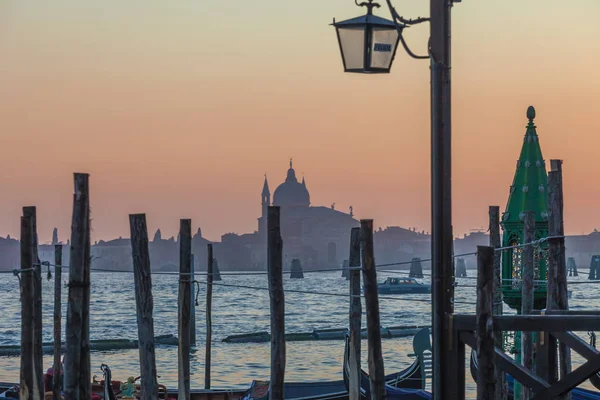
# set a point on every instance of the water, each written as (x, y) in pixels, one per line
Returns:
(235, 311)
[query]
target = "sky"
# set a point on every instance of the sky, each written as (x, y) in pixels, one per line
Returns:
(177, 109)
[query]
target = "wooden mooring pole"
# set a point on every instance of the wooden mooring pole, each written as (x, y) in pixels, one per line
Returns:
(557, 298)
(38, 366)
(277, 301)
(355, 315)
(29, 382)
(375, 361)
(184, 303)
(486, 373)
(192, 301)
(77, 358)
(494, 225)
(209, 290)
(527, 294)
(142, 275)
(572, 266)
(57, 371)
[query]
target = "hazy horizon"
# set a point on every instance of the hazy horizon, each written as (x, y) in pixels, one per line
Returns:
(177, 110)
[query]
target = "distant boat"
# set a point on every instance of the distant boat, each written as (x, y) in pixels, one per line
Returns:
(402, 286)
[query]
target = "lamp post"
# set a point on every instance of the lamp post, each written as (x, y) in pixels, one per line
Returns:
(441, 200)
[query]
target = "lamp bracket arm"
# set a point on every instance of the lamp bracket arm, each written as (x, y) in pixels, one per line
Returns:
(408, 51)
(400, 27)
(402, 20)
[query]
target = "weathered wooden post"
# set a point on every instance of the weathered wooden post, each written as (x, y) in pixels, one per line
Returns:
(495, 242)
(185, 251)
(29, 382)
(38, 366)
(594, 268)
(77, 358)
(557, 272)
(216, 271)
(57, 371)
(376, 369)
(572, 267)
(416, 268)
(527, 293)
(296, 270)
(277, 300)
(142, 274)
(353, 270)
(209, 290)
(345, 271)
(192, 301)
(486, 373)
(461, 268)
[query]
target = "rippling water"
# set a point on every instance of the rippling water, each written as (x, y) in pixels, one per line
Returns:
(235, 311)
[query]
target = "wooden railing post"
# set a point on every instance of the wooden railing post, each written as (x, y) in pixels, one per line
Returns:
(77, 358)
(38, 366)
(209, 290)
(184, 302)
(192, 301)
(486, 373)
(495, 242)
(142, 274)
(57, 370)
(28, 381)
(277, 300)
(376, 368)
(558, 298)
(527, 294)
(355, 315)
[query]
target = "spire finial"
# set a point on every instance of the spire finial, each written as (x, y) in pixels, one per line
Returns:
(530, 113)
(290, 162)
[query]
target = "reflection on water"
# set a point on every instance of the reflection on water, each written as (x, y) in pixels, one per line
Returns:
(235, 311)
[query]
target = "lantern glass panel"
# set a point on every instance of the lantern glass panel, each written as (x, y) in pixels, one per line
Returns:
(383, 46)
(352, 43)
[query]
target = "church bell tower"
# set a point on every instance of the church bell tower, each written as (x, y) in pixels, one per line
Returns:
(265, 203)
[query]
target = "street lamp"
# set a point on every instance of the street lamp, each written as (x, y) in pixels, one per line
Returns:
(359, 41)
(368, 43)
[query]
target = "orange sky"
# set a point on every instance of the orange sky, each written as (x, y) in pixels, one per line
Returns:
(177, 109)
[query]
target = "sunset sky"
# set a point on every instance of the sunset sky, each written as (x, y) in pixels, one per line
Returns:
(178, 108)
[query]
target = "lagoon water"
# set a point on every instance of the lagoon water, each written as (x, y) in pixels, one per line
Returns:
(241, 310)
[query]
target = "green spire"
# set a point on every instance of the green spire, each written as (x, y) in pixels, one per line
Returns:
(528, 190)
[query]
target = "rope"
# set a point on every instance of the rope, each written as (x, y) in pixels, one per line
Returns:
(308, 292)
(17, 271)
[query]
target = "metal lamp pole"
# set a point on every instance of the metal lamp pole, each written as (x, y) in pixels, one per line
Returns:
(441, 193)
(444, 370)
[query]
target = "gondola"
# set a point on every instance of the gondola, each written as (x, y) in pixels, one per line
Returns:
(408, 384)
(576, 394)
(411, 378)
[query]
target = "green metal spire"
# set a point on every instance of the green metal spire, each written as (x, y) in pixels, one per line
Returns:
(528, 192)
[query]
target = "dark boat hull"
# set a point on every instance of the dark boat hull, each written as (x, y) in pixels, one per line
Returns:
(404, 385)
(404, 290)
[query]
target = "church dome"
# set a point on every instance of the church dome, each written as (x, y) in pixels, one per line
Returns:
(291, 192)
